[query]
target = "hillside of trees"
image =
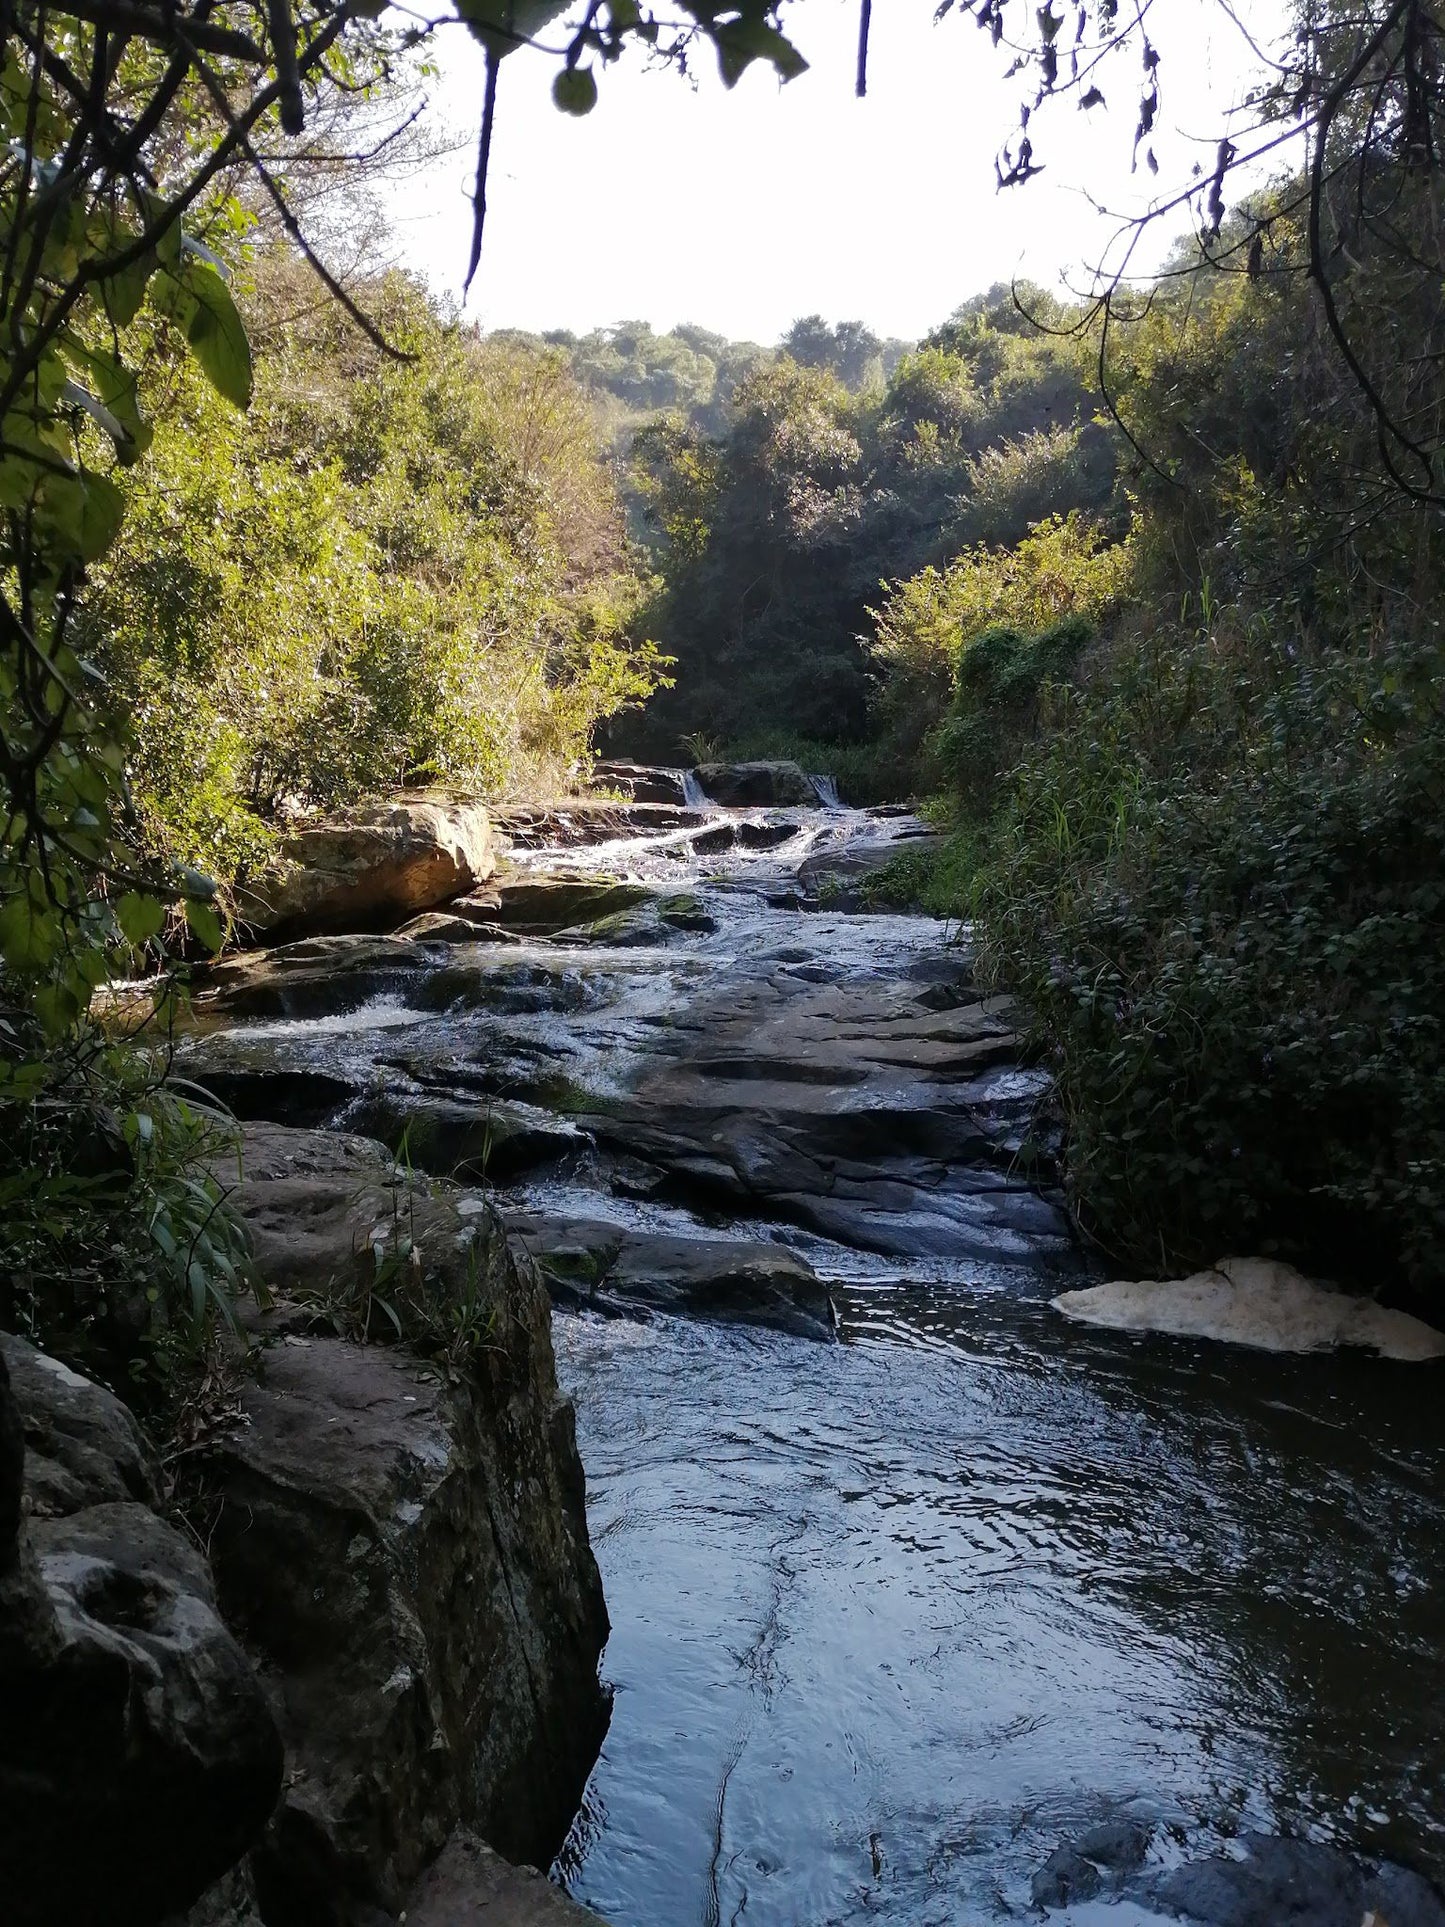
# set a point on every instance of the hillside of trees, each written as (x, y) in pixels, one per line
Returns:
(1142, 596)
(1160, 644)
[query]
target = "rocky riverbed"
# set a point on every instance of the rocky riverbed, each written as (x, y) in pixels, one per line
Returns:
(921, 1625)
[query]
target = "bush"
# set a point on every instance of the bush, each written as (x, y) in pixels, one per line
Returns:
(1064, 568)
(383, 573)
(1000, 681)
(1220, 887)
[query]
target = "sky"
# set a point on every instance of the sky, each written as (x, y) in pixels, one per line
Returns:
(742, 210)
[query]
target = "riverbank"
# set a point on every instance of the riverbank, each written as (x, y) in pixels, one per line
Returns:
(896, 1619)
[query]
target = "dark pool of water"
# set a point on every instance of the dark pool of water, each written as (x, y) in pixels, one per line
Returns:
(892, 1618)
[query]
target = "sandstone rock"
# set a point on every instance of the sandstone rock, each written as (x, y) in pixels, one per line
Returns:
(470, 1886)
(831, 876)
(440, 926)
(374, 865)
(311, 977)
(230, 1903)
(466, 1136)
(641, 783)
(540, 905)
(138, 1757)
(405, 1551)
(599, 1263)
(1256, 1302)
(777, 784)
(82, 1446)
(582, 820)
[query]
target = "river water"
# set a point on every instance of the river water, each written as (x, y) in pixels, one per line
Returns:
(895, 1616)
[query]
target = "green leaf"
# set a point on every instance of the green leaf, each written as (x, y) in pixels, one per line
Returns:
(198, 301)
(81, 514)
(204, 924)
(575, 91)
(112, 400)
(139, 917)
(740, 42)
(121, 294)
(504, 25)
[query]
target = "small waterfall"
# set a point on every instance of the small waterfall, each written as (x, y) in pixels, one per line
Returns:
(826, 790)
(694, 796)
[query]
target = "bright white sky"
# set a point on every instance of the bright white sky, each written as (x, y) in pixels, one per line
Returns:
(743, 210)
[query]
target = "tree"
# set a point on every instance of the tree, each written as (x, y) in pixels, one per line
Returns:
(848, 349)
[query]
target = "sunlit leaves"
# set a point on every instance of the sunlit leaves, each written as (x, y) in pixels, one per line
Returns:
(194, 296)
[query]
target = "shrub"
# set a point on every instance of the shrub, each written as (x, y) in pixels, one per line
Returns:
(1062, 569)
(1220, 887)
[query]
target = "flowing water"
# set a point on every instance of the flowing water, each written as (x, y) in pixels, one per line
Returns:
(895, 1616)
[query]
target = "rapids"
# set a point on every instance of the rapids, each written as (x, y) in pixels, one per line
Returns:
(894, 1617)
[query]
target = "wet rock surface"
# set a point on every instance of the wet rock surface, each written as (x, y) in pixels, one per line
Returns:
(403, 1550)
(743, 785)
(470, 1886)
(902, 1623)
(129, 1707)
(850, 1083)
(597, 1265)
(1259, 1880)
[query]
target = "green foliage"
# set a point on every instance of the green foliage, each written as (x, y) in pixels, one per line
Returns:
(1062, 571)
(384, 573)
(774, 534)
(114, 1236)
(1002, 680)
(1220, 884)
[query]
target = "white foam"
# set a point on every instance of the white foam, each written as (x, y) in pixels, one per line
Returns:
(1256, 1302)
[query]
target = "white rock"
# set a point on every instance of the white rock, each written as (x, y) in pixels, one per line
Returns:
(1258, 1302)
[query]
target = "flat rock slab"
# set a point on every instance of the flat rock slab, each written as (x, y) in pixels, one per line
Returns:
(540, 905)
(1256, 1302)
(312, 977)
(582, 820)
(598, 1262)
(470, 1886)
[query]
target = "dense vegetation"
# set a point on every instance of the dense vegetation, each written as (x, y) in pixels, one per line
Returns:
(385, 572)
(777, 534)
(1148, 596)
(1175, 681)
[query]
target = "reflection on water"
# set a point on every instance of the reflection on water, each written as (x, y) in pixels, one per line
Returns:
(894, 1617)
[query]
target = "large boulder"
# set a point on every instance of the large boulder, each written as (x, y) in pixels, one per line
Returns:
(739, 785)
(402, 1543)
(312, 977)
(373, 866)
(603, 1265)
(640, 782)
(541, 905)
(580, 820)
(138, 1756)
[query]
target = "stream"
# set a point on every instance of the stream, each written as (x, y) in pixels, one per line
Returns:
(895, 1616)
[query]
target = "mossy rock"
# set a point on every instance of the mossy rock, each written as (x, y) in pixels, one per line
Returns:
(542, 905)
